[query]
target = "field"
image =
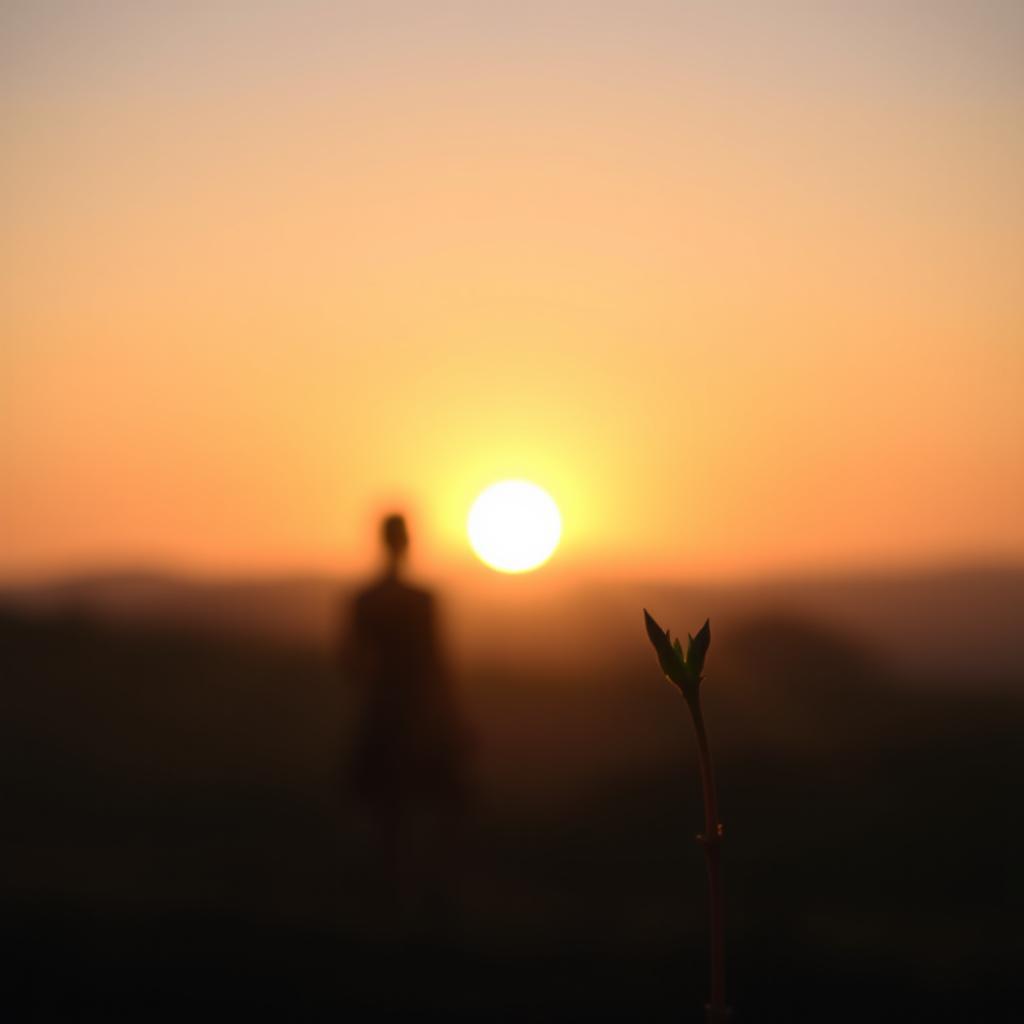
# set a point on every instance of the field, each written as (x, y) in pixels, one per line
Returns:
(177, 836)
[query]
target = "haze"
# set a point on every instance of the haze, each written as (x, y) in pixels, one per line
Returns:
(739, 285)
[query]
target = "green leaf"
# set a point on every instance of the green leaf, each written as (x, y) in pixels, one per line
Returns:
(681, 670)
(697, 648)
(671, 662)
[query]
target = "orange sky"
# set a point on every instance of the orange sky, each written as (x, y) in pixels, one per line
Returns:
(740, 287)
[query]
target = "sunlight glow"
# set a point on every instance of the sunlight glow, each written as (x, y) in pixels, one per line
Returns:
(514, 526)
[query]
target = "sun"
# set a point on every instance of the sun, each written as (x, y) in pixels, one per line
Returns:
(514, 526)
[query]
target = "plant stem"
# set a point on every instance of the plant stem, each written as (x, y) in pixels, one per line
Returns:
(711, 840)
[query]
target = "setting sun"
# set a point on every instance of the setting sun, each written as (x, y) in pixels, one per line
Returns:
(514, 526)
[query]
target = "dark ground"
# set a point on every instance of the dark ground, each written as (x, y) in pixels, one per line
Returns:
(177, 843)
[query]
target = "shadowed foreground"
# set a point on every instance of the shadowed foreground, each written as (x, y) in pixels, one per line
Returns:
(176, 840)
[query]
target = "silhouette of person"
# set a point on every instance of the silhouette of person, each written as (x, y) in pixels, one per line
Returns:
(409, 765)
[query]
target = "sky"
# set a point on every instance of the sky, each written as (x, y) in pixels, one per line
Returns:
(738, 284)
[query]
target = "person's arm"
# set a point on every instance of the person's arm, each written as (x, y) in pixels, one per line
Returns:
(442, 678)
(350, 654)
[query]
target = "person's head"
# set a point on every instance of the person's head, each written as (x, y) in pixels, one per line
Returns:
(395, 536)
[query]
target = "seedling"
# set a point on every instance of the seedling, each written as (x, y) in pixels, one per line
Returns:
(685, 670)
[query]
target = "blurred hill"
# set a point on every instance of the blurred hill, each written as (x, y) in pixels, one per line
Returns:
(961, 623)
